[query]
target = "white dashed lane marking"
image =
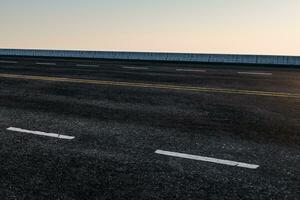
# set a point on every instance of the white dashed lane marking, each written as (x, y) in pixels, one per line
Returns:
(40, 63)
(138, 68)
(190, 70)
(207, 159)
(86, 65)
(256, 73)
(55, 135)
(8, 62)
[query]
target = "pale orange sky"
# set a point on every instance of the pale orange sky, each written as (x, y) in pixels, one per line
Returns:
(214, 26)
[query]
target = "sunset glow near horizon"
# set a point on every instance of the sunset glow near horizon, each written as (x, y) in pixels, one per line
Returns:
(196, 26)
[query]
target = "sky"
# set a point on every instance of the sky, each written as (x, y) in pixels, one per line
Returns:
(270, 27)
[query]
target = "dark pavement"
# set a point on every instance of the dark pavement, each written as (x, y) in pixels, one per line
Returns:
(245, 116)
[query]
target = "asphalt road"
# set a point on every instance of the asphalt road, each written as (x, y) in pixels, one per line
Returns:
(143, 130)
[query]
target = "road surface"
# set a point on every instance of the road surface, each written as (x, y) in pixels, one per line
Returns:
(95, 129)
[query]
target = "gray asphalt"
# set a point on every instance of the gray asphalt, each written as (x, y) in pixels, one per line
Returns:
(117, 130)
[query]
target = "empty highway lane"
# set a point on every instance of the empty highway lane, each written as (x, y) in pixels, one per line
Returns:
(106, 129)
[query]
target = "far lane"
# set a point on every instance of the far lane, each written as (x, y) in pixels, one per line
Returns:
(155, 86)
(285, 80)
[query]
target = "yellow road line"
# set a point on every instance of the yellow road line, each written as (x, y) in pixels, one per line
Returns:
(149, 85)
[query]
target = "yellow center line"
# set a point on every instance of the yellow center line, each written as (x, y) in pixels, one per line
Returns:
(156, 86)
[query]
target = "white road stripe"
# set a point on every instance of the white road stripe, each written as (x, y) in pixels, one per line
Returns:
(84, 65)
(40, 63)
(207, 159)
(190, 70)
(256, 73)
(41, 133)
(8, 62)
(135, 67)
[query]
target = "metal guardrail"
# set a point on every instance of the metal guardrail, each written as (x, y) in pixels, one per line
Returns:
(183, 57)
